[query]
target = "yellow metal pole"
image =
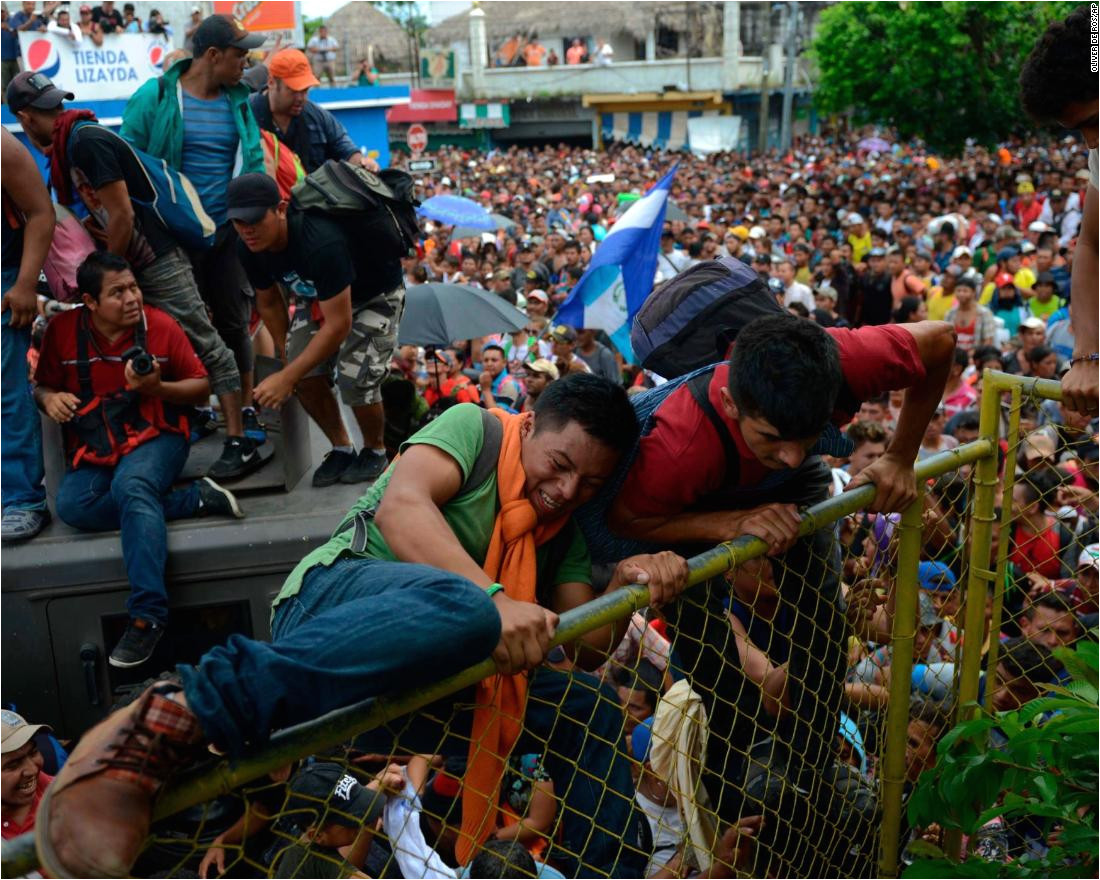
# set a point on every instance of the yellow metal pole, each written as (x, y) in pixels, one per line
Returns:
(979, 575)
(1002, 548)
(901, 668)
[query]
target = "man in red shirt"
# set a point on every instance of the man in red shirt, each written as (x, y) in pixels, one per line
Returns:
(22, 781)
(799, 379)
(120, 377)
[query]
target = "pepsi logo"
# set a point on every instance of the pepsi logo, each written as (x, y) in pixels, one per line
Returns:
(42, 57)
(156, 55)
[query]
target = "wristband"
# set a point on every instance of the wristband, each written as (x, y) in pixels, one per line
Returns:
(493, 589)
(1084, 358)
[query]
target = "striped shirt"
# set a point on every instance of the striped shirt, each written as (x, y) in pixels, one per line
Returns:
(209, 150)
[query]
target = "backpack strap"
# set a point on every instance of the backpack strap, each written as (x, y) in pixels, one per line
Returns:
(699, 386)
(485, 465)
(83, 364)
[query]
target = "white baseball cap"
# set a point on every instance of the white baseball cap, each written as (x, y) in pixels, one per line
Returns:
(1038, 226)
(961, 251)
(853, 219)
(1089, 556)
(757, 232)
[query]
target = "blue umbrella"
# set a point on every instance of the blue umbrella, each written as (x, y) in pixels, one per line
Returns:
(456, 211)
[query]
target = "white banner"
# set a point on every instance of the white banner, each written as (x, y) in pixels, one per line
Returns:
(712, 134)
(96, 73)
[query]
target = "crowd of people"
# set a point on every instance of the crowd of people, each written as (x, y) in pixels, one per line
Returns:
(548, 468)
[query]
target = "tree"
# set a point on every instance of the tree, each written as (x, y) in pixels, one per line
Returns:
(943, 72)
(413, 22)
(310, 25)
(1044, 771)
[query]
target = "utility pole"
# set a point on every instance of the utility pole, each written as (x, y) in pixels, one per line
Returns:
(788, 75)
(765, 73)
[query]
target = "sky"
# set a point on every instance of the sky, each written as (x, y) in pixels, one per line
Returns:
(435, 10)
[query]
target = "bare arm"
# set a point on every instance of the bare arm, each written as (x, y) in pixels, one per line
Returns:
(120, 216)
(24, 185)
(274, 391)
(664, 573)
(425, 479)
(776, 524)
(892, 475)
(1079, 385)
(182, 392)
(539, 819)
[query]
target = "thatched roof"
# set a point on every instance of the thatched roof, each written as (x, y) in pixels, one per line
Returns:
(504, 18)
(358, 25)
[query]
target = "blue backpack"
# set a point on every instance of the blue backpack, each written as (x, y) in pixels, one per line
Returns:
(175, 200)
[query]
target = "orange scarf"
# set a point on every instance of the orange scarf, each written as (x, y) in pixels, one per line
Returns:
(501, 699)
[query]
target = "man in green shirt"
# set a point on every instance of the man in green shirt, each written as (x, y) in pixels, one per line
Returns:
(397, 599)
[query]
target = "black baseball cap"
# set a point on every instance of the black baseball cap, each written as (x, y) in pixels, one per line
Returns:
(333, 796)
(221, 32)
(562, 333)
(250, 196)
(33, 89)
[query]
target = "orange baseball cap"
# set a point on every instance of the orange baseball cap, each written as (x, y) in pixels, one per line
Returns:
(292, 67)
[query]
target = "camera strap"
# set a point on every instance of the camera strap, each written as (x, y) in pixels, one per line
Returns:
(84, 336)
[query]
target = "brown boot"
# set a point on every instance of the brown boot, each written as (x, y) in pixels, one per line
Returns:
(94, 818)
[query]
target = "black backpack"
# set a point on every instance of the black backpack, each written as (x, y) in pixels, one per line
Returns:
(691, 320)
(380, 207)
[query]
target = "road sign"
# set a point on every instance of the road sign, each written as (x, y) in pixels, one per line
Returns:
(417, 137)
(422, 165)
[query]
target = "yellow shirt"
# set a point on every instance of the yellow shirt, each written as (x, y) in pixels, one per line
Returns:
(860, 246)
(938, 304)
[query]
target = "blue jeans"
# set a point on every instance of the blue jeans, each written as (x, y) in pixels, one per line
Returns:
(21, 470)
(135, 496)
(361, 628)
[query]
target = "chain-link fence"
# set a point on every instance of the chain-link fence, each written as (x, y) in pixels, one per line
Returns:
(770, 722)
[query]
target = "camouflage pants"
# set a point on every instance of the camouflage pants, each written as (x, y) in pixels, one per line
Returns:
(364, 359)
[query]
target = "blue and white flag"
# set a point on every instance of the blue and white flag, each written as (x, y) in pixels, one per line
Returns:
(620, 275)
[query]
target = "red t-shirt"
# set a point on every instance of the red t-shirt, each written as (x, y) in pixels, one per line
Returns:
(14, 829)
(682, 459)
(163, 338)
(1038, 552)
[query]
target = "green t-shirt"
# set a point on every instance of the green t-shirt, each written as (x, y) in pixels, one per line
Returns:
(459, 432)
(1044, 310)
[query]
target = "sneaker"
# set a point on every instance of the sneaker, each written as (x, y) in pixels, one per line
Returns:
(254, 429)
(239, 458)
(137, 643)
(94, 817)
(368, 466)
(216, 501)
(332, 468)
(204, 424)
(22, 525)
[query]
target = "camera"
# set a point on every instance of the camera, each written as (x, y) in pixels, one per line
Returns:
(141, 362)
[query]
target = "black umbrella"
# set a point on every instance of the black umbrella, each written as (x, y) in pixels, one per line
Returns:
(439, 314)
